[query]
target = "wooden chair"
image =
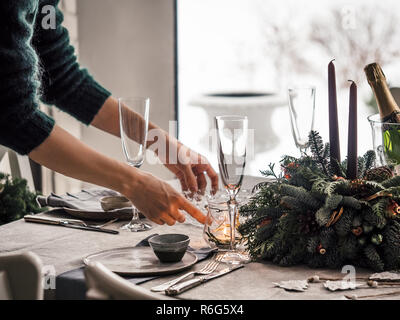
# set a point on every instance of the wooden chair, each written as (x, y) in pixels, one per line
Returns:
(104, 284)
(19, 165)
(21, 276)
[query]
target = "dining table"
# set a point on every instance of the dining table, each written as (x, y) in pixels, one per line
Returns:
(63, 250)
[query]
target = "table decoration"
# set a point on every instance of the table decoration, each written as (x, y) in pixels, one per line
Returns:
(325, 212)
(356, 297)
(16, 199)
(333, 116)
(352, 134)
(216, 230)
(375, 281)
(293, 285)
(380, 277)
(385, 276)
(340, 285)
(313, 214)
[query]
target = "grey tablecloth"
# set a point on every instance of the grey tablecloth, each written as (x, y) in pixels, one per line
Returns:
(64, 248)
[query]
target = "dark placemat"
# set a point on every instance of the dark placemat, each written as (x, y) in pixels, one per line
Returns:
(71, 285)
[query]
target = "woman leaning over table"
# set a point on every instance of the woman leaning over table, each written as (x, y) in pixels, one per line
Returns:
(39, 64)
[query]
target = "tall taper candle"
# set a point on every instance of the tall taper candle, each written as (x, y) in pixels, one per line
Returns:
(333, 115)
(352, 139)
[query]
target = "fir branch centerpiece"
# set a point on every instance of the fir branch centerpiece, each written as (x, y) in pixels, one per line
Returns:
(313, 214)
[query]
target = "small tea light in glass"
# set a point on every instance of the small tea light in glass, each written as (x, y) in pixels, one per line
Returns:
(217, 227)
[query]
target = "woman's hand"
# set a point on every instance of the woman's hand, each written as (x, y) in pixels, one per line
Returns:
(191, 169)
(158, 201)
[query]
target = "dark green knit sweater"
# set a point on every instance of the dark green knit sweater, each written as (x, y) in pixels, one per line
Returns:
(39, 64)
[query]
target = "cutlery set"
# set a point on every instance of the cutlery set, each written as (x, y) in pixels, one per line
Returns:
(175, 286)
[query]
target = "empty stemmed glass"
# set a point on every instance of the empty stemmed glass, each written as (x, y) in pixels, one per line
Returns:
(134, 122)
(232, 141)
(301, 111)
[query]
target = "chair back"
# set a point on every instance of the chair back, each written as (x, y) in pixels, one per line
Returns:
(21, 276)
(104, 284)
(20, 166)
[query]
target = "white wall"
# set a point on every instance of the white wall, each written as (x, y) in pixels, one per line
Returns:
(128, 45)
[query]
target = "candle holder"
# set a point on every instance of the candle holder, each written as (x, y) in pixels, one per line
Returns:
(386, 143)
(216, 230)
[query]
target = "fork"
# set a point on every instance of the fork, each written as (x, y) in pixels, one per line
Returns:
(83, 223)
(210, 267)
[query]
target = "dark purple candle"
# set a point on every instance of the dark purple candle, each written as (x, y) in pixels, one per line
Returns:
(352, 139)
(333, 116)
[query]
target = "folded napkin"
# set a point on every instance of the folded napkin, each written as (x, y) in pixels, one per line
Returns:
(71, 285)
(86, 200)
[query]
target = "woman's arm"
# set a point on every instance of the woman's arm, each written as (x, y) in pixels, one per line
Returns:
(65, 154)
(63, 82)
(22, 125)
(189, 166)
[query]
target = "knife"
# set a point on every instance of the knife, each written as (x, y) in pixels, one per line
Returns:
(75, 224)
(181, 287)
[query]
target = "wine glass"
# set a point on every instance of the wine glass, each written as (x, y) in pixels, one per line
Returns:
(301, 111)
(232, 140)
(134, 122)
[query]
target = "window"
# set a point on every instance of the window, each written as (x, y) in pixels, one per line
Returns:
(252, 46)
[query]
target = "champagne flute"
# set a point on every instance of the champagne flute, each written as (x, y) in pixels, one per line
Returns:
(232, 140)
(134, 122)
(301, 111)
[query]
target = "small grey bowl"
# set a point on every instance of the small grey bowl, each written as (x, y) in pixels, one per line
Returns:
(169, 247)
(114, 202)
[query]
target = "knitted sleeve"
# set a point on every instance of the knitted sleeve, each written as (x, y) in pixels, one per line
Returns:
(22, 126)
(64, 83)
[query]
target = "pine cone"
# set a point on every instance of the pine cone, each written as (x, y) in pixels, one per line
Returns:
(378, 174)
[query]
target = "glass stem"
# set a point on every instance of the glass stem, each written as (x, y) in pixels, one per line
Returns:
(135, 215)
(232, 221)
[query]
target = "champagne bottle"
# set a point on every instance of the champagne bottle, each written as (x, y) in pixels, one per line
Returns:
(389, 111)
(388, 108)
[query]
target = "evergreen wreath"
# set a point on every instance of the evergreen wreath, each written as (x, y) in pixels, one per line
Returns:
(312, 214)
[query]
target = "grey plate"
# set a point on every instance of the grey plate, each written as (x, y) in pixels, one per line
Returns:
(139, 261)
(98, 215)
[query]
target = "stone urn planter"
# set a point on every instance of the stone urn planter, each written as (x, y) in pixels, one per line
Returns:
(257, 106)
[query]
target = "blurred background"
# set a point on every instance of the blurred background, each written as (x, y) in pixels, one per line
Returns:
(198, 58)
(259, 46)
